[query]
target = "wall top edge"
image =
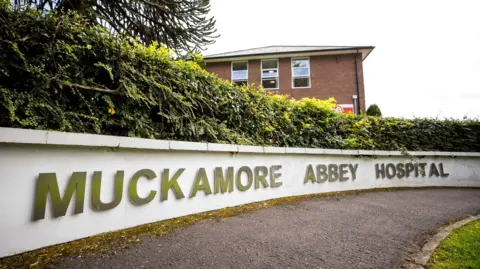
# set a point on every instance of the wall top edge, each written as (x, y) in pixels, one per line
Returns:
(54, 138)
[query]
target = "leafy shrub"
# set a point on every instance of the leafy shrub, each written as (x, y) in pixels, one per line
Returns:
(58, 74)
(374, 110)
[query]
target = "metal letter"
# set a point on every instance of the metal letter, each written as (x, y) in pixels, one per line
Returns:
(433, 170)
(274, 176)
(201, 184)
(391, 166)
(47, 183)
(132, 188)
(409, 168)
(353, 169)
(97, 204)
(422, 169)
(171, 184)
(332, 172)
(380, 170)
(249, 173)
(309, 175)
(221, 183)
(343, 172)
(261, 177)
(400, 170)
(442, 173)
(322, 174)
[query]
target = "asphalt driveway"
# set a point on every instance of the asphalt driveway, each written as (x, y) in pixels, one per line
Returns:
(367, 230)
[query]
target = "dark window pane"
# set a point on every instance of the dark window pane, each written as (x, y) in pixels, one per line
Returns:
(301, 82)
(300, 63)
(240, 66)
(240, 83)
(270, 73)
(270, 83)
(267, 64)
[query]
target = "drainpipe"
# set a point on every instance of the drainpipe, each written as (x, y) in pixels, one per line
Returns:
(355, 107)
(356, 81)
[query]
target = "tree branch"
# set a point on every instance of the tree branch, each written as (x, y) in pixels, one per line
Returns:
(183, 25)
(108, 91)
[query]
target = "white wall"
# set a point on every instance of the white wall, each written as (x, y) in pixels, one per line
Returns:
(26, 153)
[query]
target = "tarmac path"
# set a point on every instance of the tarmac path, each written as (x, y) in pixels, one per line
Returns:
(367, 230)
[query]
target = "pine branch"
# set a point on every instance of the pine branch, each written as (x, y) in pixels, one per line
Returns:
(182, 25)
(108, 91)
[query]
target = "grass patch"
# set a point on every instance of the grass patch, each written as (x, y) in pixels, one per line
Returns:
(109, 243)
(461, 249)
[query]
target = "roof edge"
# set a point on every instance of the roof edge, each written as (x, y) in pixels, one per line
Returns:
(212, 57)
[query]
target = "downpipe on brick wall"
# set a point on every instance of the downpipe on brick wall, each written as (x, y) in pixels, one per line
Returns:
(356, 81)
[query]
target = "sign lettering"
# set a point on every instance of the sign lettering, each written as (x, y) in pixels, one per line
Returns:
(218, 181)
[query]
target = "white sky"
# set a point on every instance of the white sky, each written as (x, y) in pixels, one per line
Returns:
(427, 57)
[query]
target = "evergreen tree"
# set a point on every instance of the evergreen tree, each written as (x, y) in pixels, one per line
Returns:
(182, 25)
(374, 110)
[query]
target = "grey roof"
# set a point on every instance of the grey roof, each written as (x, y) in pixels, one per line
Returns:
(283, 50)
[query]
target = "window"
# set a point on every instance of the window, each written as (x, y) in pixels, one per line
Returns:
(240, 73)
(270, 74)
(301, 73)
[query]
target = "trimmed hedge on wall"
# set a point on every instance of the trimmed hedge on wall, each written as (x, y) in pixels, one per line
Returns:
(58, 73)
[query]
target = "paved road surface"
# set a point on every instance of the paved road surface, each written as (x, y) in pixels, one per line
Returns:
(369, 230)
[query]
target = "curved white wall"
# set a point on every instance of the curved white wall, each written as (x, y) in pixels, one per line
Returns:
(27, 154)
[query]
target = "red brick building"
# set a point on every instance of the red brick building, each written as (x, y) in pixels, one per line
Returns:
(298, 71)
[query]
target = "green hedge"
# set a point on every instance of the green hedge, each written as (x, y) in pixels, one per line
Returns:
(57, 73)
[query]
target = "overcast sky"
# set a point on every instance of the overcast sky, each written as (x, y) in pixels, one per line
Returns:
(427, 57)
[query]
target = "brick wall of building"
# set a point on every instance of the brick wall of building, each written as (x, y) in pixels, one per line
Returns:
(221, 69)
(254, 73)
(331, 76)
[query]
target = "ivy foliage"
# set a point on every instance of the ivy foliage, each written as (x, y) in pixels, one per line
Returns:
(58, 74)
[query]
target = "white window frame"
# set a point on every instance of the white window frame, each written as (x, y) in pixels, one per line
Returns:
(293, 76)
(266, 69)
(231, 72)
